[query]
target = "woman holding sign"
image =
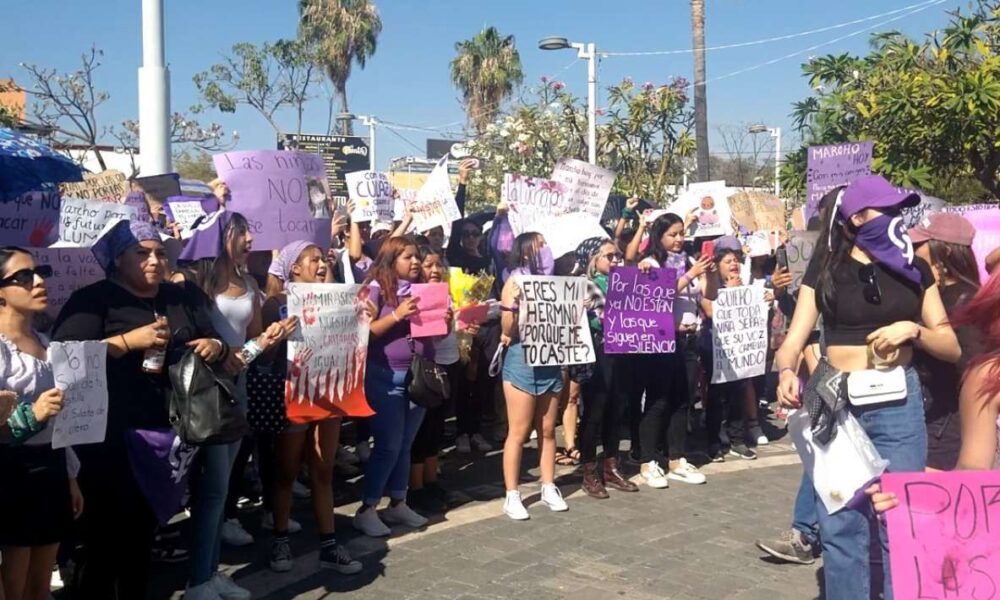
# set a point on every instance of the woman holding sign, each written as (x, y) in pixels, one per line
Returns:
(532, 393)
(39, 497)
(879, 303)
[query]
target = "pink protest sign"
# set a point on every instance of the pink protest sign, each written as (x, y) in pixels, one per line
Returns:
(987, 224)
(472, 315)
(943, 535)
(429, 320)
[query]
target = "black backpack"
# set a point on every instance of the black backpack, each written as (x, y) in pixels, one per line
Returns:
(204, 405)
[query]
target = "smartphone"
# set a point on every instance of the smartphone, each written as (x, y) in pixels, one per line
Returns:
(781, 257)
(708, 248)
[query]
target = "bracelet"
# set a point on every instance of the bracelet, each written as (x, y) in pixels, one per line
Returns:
(124, 341)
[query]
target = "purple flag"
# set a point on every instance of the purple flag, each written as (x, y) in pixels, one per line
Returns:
(832, 166)
(639, 311)
(281, 193)
(161, 463)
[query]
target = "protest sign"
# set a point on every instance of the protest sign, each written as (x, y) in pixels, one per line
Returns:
(431, 308)
(327, 353)
(943, 534)
(758, 211)
(277, 192)
(533, 202)
(471, 315)
(912, 216)
(72, 269)
(109, 186)
(709, 201)
(30, 220)
(987, 224)
(185, 211)
(158, 188)
(553, 322)
(587, 185)
(760, 243)
(79, 370)
(739, 334)
(800, 248)
(832, 166)
(371, 193)
(81, 222)
(639, 311)
(434, 204)
(137, 200)
(964, 208)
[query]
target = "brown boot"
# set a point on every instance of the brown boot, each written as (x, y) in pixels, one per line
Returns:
(592, 483)
(613, 477)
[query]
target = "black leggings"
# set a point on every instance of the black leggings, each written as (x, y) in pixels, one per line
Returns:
(479, 396)
(664, 379)
(237, 481)
(725, 403)
(430, 436)
(605, 404)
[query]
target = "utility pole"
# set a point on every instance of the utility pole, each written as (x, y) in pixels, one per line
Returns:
(154, 94)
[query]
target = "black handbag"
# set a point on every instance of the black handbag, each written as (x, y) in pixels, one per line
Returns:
(266, 399)
(204, 405)
(426, 382)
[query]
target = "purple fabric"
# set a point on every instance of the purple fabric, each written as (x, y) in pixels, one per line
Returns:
(206, 241)
(391, 349)
(137, 200)
(281, 266)
(161, 463)
(885, 240)
(638, 311)
(120, 238)
(874, 191)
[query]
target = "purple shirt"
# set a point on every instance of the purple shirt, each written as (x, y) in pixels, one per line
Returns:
(391, 349)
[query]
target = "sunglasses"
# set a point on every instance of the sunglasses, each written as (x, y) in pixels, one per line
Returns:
(871, 291)
(26, 277)
(613, 256)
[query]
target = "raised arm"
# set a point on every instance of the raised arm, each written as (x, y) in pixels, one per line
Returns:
(787, 357)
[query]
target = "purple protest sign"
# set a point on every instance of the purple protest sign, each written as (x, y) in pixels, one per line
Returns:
(832, 166)
(639, 311)
(31, 220)
(187, 210)
(281, 193)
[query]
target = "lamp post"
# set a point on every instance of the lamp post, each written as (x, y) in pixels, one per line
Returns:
(776, 134)
(371, 122)
(154, 94)
(587, 52)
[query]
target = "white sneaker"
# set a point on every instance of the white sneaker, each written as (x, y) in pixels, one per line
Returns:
(346, 457)
(401, 514)
(462, 444)
(654, 476)
(364, 451)
(267, 523)
(233, 533)
(205, 591)
(552, 496)
(513, 507)
(763, 441)
(687, 473)
(480, 443)
(300, 491)
(227, 589)
(368, 523)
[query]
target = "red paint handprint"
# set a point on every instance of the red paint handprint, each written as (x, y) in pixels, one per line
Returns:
(309, 315)
(39, 237)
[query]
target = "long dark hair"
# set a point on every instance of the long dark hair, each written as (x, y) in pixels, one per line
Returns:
(8, 252)
(956, 260)
(833, 247)
(525, 245)
(383, 270)
(210, 273)
(656, 231)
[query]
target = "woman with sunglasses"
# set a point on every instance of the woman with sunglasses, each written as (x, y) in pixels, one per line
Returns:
(879, 302)
(39, 497)
(139, 315)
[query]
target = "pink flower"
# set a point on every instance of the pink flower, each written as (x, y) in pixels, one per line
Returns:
(558, 85)
(627, 81)
(545, 78)
(599, 111)
(647, 86)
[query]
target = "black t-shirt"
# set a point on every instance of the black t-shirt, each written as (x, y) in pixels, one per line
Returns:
(136, 400)
(853, 318)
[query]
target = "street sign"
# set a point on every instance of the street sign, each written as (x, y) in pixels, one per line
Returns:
(341, 154)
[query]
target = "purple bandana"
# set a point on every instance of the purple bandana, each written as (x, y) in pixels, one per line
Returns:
(281, 265)
(206, 242)
(122, 236)
(885, 240)
(161, 463)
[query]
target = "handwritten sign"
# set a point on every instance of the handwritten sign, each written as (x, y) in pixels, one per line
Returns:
(943, 535)
(758, 211)
(371, 193)
(271, 188)
(586, 184)
(913, 215)
(429, 320)
(82, 221)
(739, 334)
(109, 186)
(79, 369)
(158, 188)
(30, 220)
(534, 202)
(72, 269)
(553, 322)
(327, 354)
(800, 248)
(834, 165)
(639, 311)
(185, 212)
(434, 204)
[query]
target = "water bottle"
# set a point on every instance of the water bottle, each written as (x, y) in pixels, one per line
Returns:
(154, 359)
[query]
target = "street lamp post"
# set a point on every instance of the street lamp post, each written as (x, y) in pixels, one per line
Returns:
(586, 52)
(776, 134)
(371, 122)
(154, 94)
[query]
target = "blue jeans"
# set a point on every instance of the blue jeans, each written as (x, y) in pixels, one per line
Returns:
(804, 517)
(393, 426)
(897, 429)
(208, 510)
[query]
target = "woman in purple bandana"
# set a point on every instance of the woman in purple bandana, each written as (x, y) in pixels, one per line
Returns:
(879, 302)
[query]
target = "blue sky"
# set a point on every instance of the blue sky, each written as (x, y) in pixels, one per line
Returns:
(407, 81)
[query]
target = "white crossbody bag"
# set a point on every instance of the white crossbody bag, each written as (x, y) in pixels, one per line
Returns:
(878, 385)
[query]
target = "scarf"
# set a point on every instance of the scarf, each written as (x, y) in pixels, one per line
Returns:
(885, 240)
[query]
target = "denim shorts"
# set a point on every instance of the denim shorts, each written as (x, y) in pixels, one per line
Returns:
(529, 379)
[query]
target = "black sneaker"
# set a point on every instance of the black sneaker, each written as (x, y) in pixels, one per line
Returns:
(281, 556)
(743, 452)
(336, 557)
(426, 501)
(717, 455)
(791, 547)
(170, 555)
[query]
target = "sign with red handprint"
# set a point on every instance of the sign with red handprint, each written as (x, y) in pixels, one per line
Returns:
(30, 220)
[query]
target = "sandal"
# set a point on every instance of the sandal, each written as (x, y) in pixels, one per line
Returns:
(568, 457)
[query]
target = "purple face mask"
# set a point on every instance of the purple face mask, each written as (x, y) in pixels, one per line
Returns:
(885, 240)
(546, 262)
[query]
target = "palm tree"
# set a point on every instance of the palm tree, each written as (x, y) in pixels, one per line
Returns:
(486, 70)
(700, 102)
(344, 32)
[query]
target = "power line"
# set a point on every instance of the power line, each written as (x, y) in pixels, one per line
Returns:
(393, 132)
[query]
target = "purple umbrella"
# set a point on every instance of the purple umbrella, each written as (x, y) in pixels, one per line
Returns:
(27, 164)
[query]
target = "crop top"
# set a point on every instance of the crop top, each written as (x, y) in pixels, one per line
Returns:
(853, 318)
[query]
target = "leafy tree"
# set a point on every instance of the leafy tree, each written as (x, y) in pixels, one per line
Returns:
(195, 165)
(267, 78)
(344, 32)
(932, 107)
(485, 70)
